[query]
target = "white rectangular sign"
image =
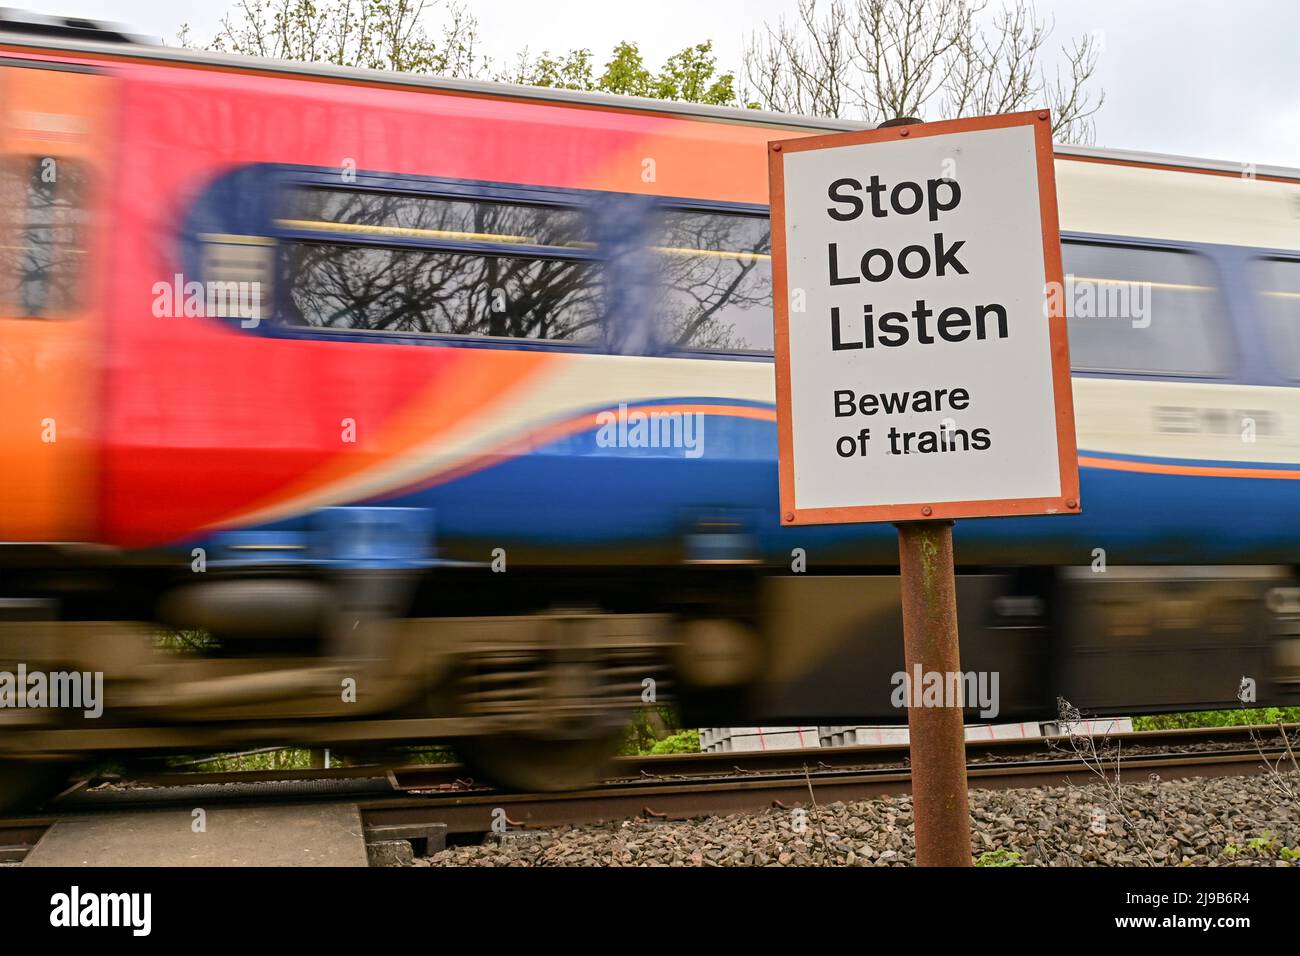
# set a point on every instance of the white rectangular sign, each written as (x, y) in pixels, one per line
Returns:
(922, 361)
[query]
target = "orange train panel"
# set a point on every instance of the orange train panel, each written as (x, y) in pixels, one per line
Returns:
(54, 136)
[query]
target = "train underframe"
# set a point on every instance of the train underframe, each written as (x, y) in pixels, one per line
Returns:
(533, 675)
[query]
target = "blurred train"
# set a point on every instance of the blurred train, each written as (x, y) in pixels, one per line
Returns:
(323, 408)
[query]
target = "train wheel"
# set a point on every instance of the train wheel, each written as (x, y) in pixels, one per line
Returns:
(537, 765)
(26, 784)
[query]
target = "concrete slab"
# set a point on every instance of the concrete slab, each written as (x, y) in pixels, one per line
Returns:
(312, 834)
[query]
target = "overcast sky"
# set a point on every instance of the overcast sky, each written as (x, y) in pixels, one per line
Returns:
(1193, 77)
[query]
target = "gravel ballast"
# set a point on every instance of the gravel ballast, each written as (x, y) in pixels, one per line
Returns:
(1224, 821)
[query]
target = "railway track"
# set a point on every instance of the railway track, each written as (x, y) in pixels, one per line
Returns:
(416, 800)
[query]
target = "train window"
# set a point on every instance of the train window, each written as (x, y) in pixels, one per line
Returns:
(398, 216)
(520, 271)
(1135, 309)
(1278, 281)
(716, 272)
(43, 218)
(382, 289)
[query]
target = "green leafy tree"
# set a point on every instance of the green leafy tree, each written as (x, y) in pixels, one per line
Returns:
(626, 73)
(565, 71)
(372, 34)
(690, 75)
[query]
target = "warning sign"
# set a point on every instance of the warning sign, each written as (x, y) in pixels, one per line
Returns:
(922, 363)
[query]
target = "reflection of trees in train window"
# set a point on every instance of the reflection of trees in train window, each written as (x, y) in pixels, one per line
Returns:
(42, 220)
(384, 287)
(1136, 309)
(716, 273)
(398, 216)
(1278, 281)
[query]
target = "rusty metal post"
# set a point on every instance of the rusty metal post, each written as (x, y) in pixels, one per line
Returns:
(940, 804)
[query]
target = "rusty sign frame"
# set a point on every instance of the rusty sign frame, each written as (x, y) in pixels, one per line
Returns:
(1067, 502)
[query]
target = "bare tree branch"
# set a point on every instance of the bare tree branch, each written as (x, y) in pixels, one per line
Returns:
(880, 59)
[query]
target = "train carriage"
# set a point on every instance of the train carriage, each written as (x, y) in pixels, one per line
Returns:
(463, 393)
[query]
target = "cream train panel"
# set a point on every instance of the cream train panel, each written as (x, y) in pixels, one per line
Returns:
(1188, 420)
(1180, 206)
